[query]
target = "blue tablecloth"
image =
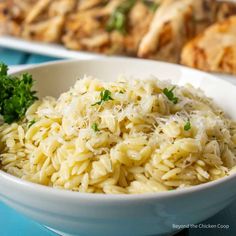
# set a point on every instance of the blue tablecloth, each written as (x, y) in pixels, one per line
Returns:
(14, 224)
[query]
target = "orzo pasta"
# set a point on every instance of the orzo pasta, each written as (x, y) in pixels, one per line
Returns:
(128, 136)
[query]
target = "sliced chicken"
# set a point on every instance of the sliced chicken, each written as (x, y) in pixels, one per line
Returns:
(139, 20)
(88, 4)
(3, 18)
(86, 30)
(13, 14)
(46, 20)
(43, 31)
(171, 27)
(214, 50)
(175, 22)
(37, 10)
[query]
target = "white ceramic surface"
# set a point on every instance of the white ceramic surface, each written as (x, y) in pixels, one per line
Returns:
(121, 215)
(53, 50)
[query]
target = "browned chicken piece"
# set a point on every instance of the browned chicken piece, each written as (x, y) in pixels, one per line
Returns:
(44, 9)
(61, 7)
(204, 14)
(225, 10)
(13, 14)
(88, 4)
(43, 31)
(139, 20)
(214, 50)
(86, 30)
(171, 27)
(3, 17)
(37, 10)
(174, 23)
(46, 20)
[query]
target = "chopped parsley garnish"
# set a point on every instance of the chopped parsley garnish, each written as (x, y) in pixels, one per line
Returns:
(151, 5)
(31, 123)
(105, 95)
(95, 127)
(118, 19)
(170, 95)
(16, 95)
(187, 125)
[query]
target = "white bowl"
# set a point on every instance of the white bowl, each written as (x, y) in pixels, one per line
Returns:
(72, 213)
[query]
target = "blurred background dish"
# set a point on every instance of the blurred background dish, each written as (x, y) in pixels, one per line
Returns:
(154, 29)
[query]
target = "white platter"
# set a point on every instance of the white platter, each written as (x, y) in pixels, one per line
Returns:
(59, 51)
(53, 50)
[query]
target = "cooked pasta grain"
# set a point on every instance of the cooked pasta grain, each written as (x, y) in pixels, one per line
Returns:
(121, 137)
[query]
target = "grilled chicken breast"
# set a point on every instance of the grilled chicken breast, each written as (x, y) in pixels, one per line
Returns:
(46, 20)
(214, 50)
(13, 14)
(174, 23)
(111, 27)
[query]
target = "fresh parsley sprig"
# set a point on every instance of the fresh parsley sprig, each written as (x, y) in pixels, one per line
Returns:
(187, 125)
(105, 95)
(16, 95)
(3, 69)
(170, 95)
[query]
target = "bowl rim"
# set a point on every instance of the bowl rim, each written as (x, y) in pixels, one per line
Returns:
(63, 193)
(41, 189)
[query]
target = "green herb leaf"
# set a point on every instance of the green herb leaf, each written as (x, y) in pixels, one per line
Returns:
(151, 5)
(3, 69)
(15, 96)
(31, 123)
(118, 19)
(105, 96)
(95, 127)
(187, 125)
(170, 95)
